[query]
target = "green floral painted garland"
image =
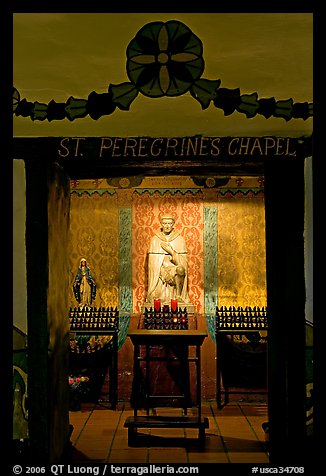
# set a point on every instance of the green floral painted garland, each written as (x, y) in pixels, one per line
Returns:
(164, 59)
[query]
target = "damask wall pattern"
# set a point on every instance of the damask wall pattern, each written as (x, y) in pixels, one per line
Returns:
(94, 222)
(241, 250)
(241, 261)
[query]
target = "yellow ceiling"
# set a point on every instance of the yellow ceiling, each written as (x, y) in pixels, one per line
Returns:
(59, 55)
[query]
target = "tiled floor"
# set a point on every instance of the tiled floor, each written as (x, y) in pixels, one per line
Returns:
(235, 435)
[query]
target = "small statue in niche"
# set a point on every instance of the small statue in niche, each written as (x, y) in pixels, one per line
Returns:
(168, 264)
(84, 285)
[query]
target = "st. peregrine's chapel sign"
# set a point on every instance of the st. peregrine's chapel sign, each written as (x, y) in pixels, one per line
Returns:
(176, 147)
(100, 156)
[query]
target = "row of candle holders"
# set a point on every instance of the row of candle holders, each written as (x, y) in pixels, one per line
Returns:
(165, 309)
(91, 318)
(166, 320)
(242, 318)
(89, 311)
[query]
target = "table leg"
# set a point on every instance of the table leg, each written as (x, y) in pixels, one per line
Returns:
(114, 373)
(137, 379)
(198, 381)
(218, 374)
(147, 378)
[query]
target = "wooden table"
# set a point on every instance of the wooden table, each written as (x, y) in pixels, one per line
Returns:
(220, 335)
(148, 339)
(113, 355)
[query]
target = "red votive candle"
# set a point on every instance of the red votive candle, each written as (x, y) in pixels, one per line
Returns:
(157, 305)
(174, 305)
(166, 308)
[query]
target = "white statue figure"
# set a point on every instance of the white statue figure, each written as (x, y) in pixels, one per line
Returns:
(167, 265)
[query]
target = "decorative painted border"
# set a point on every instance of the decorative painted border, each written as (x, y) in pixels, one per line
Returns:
(248, 192)
(163, 59)
(172, 191)
(82, 191)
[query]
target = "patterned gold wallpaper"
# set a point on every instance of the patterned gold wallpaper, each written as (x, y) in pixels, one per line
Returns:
(94, 236)
(241, 251)
(241, 264)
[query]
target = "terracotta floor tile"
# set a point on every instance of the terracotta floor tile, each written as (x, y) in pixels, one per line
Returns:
(248, 457)
(161, 455)
(208, 458)
(91, 443)
(129, 455)
(234, 435)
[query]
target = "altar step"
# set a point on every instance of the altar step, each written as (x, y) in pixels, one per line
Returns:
(135, 422)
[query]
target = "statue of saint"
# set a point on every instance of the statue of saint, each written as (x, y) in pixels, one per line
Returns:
(167, 265)
(84, 285)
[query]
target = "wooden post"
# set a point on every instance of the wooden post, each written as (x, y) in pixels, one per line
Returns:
(284, 205)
